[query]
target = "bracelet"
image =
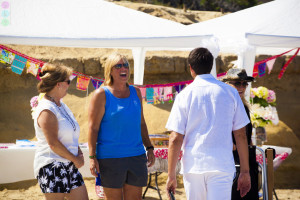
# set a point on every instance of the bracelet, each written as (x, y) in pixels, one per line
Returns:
(94, 156)
(150, 147)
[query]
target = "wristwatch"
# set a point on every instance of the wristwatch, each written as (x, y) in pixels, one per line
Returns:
(92, 157)
(150, 147)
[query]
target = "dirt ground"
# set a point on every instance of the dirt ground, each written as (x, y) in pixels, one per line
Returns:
(30, 190)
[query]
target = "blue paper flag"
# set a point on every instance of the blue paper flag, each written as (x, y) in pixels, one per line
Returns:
(262, 69)
(96, 83)
(18, 64)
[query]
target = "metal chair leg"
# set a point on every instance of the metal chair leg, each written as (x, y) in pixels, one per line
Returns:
(148, 185)
(275, 194)
(156, 174)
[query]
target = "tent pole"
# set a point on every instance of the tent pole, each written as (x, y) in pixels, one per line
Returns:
(246, 60)
(139, 64)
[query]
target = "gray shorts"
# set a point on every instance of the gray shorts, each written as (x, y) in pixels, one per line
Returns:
(115, 172)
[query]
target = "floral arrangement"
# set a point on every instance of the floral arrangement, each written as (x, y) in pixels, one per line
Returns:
(263, 110)
(34, 102)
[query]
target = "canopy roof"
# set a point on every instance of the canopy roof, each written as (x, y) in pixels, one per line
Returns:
(273, 24)
(91, 23)
(96, 24)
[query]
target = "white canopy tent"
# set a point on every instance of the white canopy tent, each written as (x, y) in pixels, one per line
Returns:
(94, 24)
(269, 28)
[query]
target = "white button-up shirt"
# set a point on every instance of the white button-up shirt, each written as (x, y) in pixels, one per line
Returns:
(206, 112)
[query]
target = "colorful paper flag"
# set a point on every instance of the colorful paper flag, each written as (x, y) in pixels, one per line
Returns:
(178, 88)
(255, 71)
(286, 64)
(221, 75)
(143, 92)
(82, 82)
(32, 67)
(39, 71)
(96, 83)
(72, 76)
(270, 65)
(261, 69)
(6, 56)
(18, 64)
(149, 95)
(168, 93)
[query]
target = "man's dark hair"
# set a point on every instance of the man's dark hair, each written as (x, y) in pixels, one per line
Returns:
(201, 60)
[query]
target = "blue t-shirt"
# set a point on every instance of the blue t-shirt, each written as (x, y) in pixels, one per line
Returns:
(119, 134)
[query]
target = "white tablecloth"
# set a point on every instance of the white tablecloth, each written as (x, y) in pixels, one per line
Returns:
(17, 163)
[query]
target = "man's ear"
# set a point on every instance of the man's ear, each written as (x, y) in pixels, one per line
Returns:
(193, 74)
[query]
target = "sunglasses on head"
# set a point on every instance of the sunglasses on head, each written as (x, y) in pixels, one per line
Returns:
(239, 83)
(119, 66)
(68, 81)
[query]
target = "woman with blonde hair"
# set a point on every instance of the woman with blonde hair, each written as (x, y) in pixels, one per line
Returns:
(117, 133)
(238, 78)
(58, 155)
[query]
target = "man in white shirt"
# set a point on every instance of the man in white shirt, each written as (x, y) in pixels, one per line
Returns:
(202, 119)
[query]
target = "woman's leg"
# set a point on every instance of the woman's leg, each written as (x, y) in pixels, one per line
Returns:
(132, 192)
(54, 196)
(113, 193)
(79, 193)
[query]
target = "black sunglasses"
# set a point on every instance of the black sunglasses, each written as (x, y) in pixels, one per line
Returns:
(119, 66)
(68, 81)
(239, 84)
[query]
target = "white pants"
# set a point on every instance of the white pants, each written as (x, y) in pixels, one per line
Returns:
(208, 186)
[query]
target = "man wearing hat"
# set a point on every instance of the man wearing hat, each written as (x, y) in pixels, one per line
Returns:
(238, 78)
(201, 120)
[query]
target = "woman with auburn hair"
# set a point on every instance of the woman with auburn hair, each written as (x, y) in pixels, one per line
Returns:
(58, 155)
(118, 133)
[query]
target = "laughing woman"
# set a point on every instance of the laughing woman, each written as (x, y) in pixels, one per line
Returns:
(117, 133)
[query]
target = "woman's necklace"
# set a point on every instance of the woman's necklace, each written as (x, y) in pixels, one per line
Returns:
(65, 114)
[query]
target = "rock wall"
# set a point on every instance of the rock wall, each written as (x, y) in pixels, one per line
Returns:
(160, 67)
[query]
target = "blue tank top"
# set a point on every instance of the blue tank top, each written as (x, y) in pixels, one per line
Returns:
(119, 134)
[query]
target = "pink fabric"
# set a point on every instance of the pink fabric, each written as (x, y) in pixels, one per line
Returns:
(283, 156)
(163, 153)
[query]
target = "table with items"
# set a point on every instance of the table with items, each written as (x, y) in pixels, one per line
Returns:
(17, 162)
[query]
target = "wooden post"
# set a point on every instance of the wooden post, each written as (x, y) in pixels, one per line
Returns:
(270, 173)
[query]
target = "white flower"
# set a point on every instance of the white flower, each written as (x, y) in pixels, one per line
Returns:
(50, 173)
(65, 181)
(56, 164)
(44, 179)
(57, 179)
(51, 185)
(75, 175)
(63, 172)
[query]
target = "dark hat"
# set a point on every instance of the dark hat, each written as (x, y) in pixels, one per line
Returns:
(235, 74)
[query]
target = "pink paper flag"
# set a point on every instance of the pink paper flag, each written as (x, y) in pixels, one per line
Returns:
(143, 92)
(270, 64)
(167, 93)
